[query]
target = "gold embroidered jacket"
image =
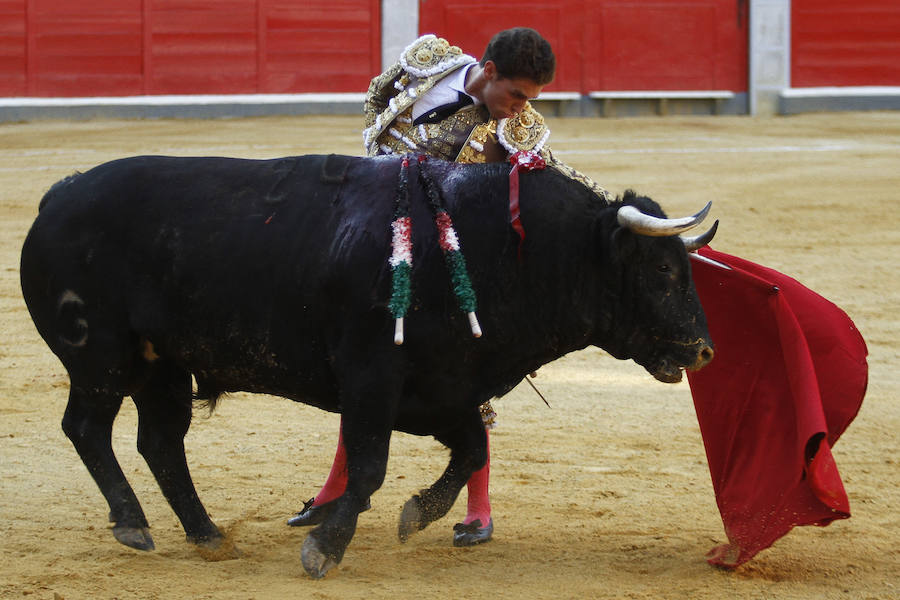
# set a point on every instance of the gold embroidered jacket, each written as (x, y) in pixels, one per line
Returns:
(469, 136)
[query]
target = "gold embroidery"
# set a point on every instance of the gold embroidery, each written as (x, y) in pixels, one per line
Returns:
(525, 131)
(379, 94)
(402, 102)
(428, 52)
(424, 56)
(577, 176)
(447, 139)
(469, 136)
(428, 60)
(440, 47)
(482, 135)
(488, 416)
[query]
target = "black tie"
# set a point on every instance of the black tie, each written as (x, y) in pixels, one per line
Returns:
(439, 113)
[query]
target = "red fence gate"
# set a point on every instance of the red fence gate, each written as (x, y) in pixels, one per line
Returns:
(131, 47)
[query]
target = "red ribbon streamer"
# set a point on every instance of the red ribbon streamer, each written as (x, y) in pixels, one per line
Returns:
(521, 161)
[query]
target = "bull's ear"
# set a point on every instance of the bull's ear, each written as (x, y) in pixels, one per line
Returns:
(622, 243)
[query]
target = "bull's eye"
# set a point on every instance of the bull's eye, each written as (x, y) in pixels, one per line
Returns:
(663, 268)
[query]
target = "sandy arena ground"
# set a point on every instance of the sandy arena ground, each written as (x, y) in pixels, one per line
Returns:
(604, 495)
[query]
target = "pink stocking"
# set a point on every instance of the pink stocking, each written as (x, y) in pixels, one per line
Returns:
(479, 502)
(337, 478)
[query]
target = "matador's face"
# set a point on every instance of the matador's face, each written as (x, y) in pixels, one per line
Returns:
(506, 96)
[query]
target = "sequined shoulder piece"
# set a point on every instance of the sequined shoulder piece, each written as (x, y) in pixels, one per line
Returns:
(430, 55)
(526, 131)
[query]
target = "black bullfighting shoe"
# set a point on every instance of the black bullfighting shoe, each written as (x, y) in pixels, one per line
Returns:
(473, 533)
(313, 515)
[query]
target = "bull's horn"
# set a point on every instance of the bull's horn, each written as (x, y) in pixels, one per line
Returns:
(695, 243)
(645, 224)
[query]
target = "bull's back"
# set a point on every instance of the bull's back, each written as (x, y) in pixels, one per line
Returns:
(206, 218)
(218, 260)
(205, 192)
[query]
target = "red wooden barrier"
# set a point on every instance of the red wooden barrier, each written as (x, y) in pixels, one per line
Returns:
(667, 45)
(470, 26)
(845, 42)
(613, 44)
(332, 46)
(131, 47)
(76, 47)
(13, 42)
(200, 46)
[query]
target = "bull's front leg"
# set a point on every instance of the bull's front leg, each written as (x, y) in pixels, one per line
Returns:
(468, 453)
(369, 400)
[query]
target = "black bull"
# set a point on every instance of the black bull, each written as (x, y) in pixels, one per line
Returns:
(273, 276)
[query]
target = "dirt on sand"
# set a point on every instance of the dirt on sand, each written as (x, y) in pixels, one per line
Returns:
(604, 495)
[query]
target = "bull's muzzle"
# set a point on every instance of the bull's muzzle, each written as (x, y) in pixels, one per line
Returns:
(671, 370)
(705, 355)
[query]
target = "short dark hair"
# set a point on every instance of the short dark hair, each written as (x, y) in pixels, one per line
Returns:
(521, 52)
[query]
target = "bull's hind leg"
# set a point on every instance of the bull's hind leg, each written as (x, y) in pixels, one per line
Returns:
(164, 416)
(468, 453)
(88, 424)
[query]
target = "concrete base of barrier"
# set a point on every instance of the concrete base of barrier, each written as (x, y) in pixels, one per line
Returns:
(555, 104)
(831, 99)
(193, 106)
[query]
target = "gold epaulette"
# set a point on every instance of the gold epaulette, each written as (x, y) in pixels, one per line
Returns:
(430, 55)
(526, 131)
(427, 60)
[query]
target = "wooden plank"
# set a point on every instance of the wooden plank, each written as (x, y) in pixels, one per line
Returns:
(657, 46)
(202, 46)
(13, 45)
(840, 43)
(84, 48)
(326, 47)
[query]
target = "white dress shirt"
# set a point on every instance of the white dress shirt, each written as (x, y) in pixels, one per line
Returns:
(444, 92)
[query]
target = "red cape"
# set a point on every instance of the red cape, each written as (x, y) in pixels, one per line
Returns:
(788, 377)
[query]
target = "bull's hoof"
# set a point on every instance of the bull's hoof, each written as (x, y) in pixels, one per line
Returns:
(411, 519)
(138, 538)
(316, 562)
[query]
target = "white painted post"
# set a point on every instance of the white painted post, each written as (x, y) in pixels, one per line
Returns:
(399, 27)
(770, 54)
